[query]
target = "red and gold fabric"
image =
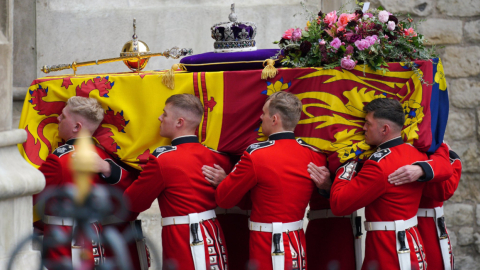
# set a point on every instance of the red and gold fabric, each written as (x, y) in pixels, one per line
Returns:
(332, 116)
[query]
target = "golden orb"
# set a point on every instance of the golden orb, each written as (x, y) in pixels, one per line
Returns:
(130, 49)
(135, 47)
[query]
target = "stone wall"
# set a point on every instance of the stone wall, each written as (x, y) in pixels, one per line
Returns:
(18, 180)
(455, 25)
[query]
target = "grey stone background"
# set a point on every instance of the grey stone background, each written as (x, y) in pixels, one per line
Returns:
(47, 32)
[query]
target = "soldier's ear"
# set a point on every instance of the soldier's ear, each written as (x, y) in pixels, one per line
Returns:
(78, 126)
(180, 122)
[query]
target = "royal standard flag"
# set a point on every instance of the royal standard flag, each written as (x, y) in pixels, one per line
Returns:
(332, 114)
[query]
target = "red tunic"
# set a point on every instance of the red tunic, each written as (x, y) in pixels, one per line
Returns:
(57, 172)
(173, 175)
(276, 174)
(434, 195)
(386, 202)
(330, 237)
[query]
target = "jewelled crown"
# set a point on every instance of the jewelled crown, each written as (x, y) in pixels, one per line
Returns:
(234, 36)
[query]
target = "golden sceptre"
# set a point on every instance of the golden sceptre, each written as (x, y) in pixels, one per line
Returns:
(135, 54)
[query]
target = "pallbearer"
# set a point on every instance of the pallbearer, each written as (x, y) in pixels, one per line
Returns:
(392, 241)
(275, 173)
(79, 114)
(431, 218)
(191, 236)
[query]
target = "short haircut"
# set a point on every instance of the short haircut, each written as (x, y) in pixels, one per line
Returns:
(389, 109)
(288, 106)
(187, 102)
(89, 108)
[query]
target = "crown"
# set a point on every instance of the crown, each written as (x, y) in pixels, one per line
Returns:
(234, 36)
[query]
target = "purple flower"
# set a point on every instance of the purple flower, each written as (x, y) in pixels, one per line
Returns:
(391, 25)
(383, 16)
(305, 47)
(348, 63)
(297, 34)
(336, 43)
(362, 44)
(371, 40)
(349, 49)
(354, 38)
(393, 19)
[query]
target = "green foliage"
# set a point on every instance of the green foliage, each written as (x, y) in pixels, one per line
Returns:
(335, 41)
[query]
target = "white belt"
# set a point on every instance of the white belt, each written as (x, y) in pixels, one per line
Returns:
(399, 226)
(436, 213)
(323, 213)
(233, 210)
(430, 212)
(54, 220)
(277, 229)
(389, 225)
(167, 221)
(61, 221)
(197, 245)
(268, 227)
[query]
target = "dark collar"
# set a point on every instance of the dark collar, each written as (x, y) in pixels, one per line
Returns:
(185, 139)
(391, 143)
(72, 141)
(281, 136)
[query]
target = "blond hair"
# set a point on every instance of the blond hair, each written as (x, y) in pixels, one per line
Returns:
(188, 103)
(288, 106)
(88, 108)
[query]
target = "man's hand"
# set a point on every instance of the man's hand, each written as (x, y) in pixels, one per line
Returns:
(405, 175)
(320, 176)
(214, 174)
(101, 166)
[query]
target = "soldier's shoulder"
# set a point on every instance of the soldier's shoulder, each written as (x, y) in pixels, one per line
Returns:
(259, 145)
(379, 155)
(305, 144)
(64, 149)
(163, 150)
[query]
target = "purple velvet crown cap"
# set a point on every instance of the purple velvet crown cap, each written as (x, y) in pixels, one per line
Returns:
(212, 61)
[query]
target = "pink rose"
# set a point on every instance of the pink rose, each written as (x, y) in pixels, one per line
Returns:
(321, 42)
(348, 63)
(297, 34)
(371, 39)
(391, 25)
(349, 49)
(288, 34)
(362, 44)
(331, 18)
(409, 32)
(367, 15)
(344, 19)
(383, 16)
(336, 43)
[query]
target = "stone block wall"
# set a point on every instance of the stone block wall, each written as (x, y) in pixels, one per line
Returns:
(455, 26)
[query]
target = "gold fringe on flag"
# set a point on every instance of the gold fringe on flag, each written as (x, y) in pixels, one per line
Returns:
(168, 79)
(269, 71)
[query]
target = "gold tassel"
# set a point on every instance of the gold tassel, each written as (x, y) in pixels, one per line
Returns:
(168, 79)
(269, 71)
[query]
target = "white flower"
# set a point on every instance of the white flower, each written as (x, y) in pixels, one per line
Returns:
(383, 16)
(391, 25)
